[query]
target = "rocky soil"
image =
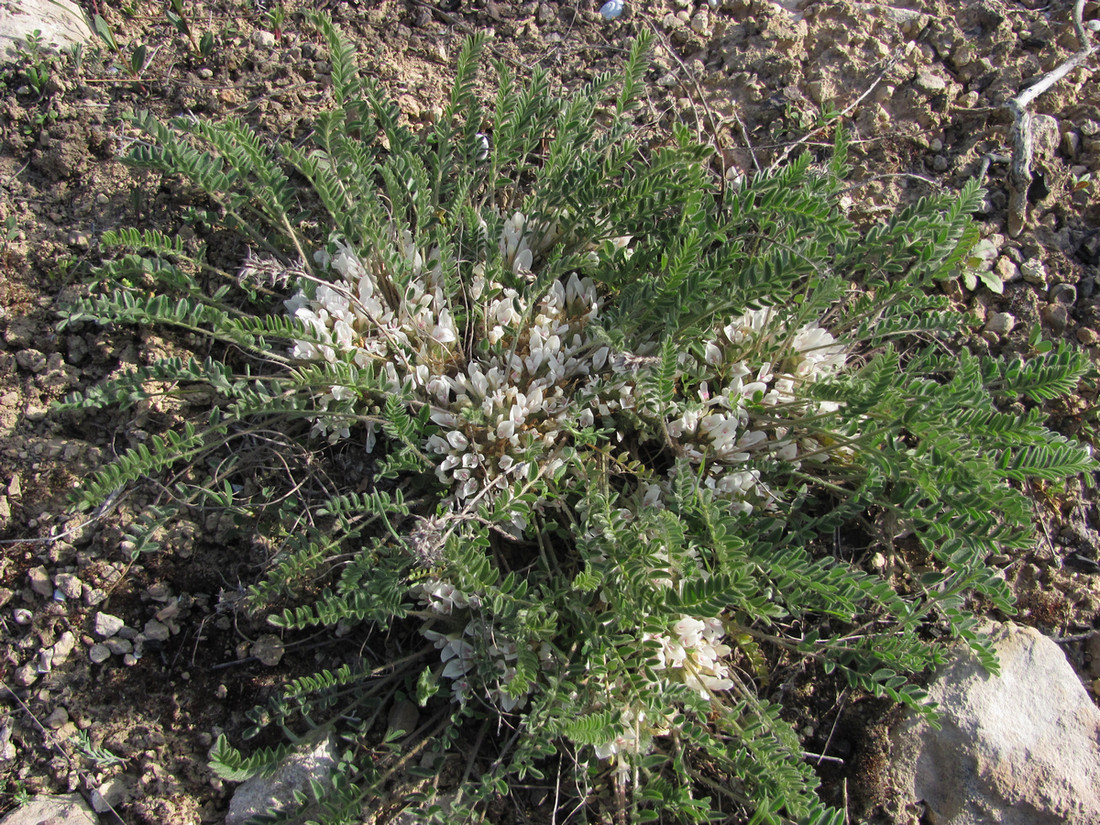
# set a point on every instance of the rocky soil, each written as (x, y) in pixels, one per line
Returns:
(119, 673)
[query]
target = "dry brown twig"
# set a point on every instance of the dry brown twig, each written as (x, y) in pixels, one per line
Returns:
(1019, 172)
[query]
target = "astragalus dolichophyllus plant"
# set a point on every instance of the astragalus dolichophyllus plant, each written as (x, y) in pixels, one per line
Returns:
(622, 426)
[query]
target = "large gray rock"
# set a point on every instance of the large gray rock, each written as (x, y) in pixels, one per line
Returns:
(53, 810)
(1022, 748)
(261, 794)
(61, 22)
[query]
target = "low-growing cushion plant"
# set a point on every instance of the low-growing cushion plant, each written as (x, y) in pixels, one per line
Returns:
(615, 418)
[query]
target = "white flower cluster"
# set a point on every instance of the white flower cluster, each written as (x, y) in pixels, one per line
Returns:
(458, 649)
(720, 424)
(509, 383)
(692, 654)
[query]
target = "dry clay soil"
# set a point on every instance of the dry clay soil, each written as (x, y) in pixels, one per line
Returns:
(922, 89)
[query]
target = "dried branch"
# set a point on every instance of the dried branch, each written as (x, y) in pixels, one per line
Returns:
(1019, 173)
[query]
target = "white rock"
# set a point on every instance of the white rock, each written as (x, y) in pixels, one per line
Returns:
(260, 794)
(1001, 323)
(156, 632)
(111, 794)
(61, 23)
(69, 585)
(70, 810)
(63, 647)
(1017, 749)
(106, 625)
(99, 654)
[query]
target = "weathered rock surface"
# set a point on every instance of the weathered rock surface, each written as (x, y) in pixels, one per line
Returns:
(261, 794)
(61, 23)
(53, 810)
(1022, 748)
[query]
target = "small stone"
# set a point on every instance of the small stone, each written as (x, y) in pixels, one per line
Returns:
(545, 15)
(40, 581)
(31, 360)
(700, 23)
(70, 586)
(99, 654)
(21, 333)
(1056, 316)
(22, 615)
(1063, 294)
(129, 660)
(930, 82)
(1034, 272)
(404, 716)
(26, 675)
(1071, 144)
(939, 163)
(78, 239)
(263, 40)
(268, 649)
(1007, 270)
(1088, 337)
(5, 596)
(156, 632)
(63, 647)
(1000, 323)
(107, 625)
(45, 660)
(112, 793)
(93, 596)
(119, 647)
(935, 145)
(57, 718)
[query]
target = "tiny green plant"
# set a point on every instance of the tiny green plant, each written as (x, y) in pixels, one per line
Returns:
(276, 19)
(100, 757)
(577, 429)
(106, 33)
(38, 63)
(177, 15)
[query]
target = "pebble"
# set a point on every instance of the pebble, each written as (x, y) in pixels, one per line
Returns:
(930, 82)
(26, 675)
(70, 586)
(107, 625)
(1088, 337)
(1056, 316)
(45, 660)
(40, 581)
(22, 615)
(93, 596)
(57, 718)
(31, 360)
(263, 40)
(1000, 323)
(99, 654)
(1034, 272)
(78, 239)
(156, 632)
(1007, 270)
(119, 647)
(63, 647)
(1063, 294)
(268, 649)
(939, 163)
